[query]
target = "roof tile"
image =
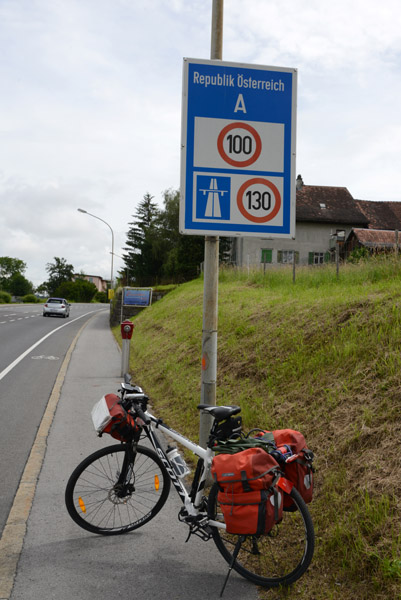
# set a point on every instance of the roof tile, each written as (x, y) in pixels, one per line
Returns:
(318, 203)
(381, 215)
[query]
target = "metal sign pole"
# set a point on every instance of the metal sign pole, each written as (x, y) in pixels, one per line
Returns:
(211, 274)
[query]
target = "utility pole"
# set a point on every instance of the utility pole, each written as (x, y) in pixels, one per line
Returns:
(211, 274)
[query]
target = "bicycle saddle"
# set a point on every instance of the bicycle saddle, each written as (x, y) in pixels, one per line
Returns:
(220, 412)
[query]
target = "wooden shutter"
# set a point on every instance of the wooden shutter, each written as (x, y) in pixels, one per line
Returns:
(267, 255)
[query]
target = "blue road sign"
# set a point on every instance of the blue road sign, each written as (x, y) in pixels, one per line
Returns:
(213, 197)
(238, 149)
(137, 296)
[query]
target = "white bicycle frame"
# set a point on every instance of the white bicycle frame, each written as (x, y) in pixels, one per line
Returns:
(206, 454)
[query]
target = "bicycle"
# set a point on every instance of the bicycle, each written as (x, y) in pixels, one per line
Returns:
(119, 488)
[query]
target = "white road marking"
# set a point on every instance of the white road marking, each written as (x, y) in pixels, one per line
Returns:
(22, 356)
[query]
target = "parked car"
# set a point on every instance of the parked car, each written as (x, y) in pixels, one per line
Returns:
(56, 306)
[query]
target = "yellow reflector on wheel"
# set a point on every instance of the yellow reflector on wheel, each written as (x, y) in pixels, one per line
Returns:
(157, 483)
(82, 504)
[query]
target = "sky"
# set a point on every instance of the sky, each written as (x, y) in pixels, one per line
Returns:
(90, 108)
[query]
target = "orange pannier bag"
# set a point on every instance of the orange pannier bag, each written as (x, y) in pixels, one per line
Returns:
(298, 468)
(249, 497)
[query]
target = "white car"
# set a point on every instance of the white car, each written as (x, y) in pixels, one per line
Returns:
(56, 306)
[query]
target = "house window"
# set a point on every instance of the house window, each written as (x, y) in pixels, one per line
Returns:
(267, 255)
(318, 258)
(287, 256)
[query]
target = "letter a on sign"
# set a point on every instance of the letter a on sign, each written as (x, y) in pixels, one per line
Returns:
(240, 104)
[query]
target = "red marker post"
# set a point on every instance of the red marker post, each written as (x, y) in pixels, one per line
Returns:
(127, 329)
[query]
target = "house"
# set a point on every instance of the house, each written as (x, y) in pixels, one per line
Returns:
(324, 215)
(100, 283)
(381, 215)
(378, 240)
(383, 229)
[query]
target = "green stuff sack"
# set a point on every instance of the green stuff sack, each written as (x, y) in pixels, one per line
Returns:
(265, 441)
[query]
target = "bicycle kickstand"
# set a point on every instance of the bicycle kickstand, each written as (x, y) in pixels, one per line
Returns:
(237, 548)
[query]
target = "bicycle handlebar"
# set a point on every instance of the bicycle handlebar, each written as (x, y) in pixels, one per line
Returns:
(138, 402)
(141, 414)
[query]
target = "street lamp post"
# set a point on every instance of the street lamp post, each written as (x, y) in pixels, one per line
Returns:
(127, 269)
(112, 240)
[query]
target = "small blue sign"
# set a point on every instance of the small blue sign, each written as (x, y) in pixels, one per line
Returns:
(213, 197)
(137, 297)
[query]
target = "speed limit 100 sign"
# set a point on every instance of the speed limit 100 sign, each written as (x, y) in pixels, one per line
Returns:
(238, 150)
(239, 144)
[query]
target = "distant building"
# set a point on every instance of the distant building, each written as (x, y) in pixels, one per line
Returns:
(374, 240)
(325, 216)
(100, 283)
(381, 215)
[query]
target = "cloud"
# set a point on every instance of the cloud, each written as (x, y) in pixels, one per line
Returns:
(90, 107)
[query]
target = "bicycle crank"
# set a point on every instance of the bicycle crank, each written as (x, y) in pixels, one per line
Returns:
(198, 525)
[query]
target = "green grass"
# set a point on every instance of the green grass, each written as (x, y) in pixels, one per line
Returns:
(321, 355)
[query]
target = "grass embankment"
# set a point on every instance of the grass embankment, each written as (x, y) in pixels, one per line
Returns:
(321, 355)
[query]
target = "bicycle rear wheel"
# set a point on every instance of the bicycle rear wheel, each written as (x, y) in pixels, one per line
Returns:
(108, 494)
(277, 558)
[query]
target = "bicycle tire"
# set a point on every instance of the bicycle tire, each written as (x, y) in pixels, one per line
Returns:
(278, 558)
(98, 503)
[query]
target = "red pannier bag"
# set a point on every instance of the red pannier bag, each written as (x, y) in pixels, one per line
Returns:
(251, 513)
(248, 495)
(298, 468)
(121, 425)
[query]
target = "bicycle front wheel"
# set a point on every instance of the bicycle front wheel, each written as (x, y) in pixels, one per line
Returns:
(277, 558)
(110, 494)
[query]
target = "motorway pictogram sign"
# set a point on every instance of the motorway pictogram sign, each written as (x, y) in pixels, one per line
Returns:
(238, 149)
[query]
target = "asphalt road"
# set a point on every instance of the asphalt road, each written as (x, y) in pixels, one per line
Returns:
(32, 349)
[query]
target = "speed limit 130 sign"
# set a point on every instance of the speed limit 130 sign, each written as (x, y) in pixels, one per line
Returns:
(238, 149)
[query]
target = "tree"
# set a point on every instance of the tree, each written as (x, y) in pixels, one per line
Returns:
(86, 290)
(101, 297)
(185, 252)
(157, 252)
(59, 272)
(9, 267)
(143, 258)
(18, 285)
(42, 289)
(77, 291)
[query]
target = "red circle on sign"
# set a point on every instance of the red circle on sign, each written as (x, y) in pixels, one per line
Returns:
(240, 197)
(224, 155)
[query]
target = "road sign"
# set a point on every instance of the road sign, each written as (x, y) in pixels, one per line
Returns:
(238, 149)
(137, 296)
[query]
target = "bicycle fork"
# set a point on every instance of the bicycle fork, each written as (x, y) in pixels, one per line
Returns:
(124, 487)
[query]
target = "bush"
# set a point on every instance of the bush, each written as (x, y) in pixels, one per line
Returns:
(29, 298)
(5, 298)
(76, 291)
(100, 297)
